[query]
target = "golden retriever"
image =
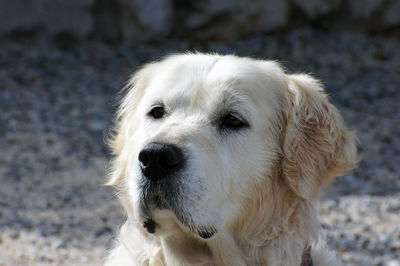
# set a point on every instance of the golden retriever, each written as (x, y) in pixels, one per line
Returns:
(218, 161)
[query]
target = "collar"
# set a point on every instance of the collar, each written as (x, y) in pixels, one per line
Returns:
(306, 259)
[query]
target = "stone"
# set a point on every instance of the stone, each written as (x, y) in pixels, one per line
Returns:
(227, 19)
(106, 20)
(393, 263)
(364, 9)
(317, 8)
(375, 15)
(206, 11)
(146, 20)
(273, 15)
(97, 125)
(50, 16)
(60, 243)
(391, 15)
(19, 15)
(71, 17)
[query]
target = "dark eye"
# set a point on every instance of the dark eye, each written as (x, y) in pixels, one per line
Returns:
(230, 121)
(157, 112)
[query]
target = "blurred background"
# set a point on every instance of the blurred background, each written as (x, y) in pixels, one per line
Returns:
(62, 64)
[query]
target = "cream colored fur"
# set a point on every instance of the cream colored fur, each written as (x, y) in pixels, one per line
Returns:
(256, 187)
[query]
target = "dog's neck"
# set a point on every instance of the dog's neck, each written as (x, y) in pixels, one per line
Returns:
(278, 238)
(263, 244)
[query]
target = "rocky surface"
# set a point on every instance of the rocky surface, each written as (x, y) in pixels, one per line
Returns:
(56, 104)
(51, 17)
(145, 21)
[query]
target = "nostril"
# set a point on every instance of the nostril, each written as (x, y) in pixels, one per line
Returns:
(169, 161)
(144, 159)
(163, 161)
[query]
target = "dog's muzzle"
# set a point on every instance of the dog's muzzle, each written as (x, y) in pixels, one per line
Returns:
(160, 160)
(161, 165)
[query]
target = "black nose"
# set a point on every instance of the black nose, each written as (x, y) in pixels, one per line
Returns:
(159, 160)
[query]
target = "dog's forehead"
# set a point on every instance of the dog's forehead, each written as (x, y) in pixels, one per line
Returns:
(178, 77)
(205, 81)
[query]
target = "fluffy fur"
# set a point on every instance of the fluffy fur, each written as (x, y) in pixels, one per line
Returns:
(253, 187)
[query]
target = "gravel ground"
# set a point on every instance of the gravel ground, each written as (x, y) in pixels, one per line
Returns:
(56, 103)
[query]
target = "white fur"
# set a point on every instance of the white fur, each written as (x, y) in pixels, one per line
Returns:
(254, 186)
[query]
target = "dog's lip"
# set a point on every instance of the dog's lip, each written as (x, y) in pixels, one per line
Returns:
(150, 225)
(153, 200)
(206, 234)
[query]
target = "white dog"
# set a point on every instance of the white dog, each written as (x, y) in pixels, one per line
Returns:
(218, 160)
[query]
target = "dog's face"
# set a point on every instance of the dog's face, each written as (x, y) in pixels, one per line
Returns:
(198, 133)
(201, 140)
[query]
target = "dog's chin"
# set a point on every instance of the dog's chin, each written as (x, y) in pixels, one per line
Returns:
(159, 206)
(157, 216)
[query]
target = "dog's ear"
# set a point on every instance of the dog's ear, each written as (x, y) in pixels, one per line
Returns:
(317, 146)
(124, 125)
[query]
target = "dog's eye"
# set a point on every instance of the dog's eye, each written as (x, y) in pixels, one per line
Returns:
(157, 112)
(230, 121)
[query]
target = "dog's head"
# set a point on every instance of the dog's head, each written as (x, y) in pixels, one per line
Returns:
(198, 137)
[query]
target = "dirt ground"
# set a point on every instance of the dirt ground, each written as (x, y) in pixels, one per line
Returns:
(57, 103)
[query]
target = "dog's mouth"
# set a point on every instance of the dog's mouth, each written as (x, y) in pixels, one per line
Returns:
(150, 225)
(153, 199)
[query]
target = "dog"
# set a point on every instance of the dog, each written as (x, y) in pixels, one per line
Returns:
(218, 160)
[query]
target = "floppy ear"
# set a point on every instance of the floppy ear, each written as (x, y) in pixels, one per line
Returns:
(317, 145)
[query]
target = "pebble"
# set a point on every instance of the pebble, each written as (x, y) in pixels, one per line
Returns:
(68, 96)
(61, 243)
(97, 126)
(393, 263)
